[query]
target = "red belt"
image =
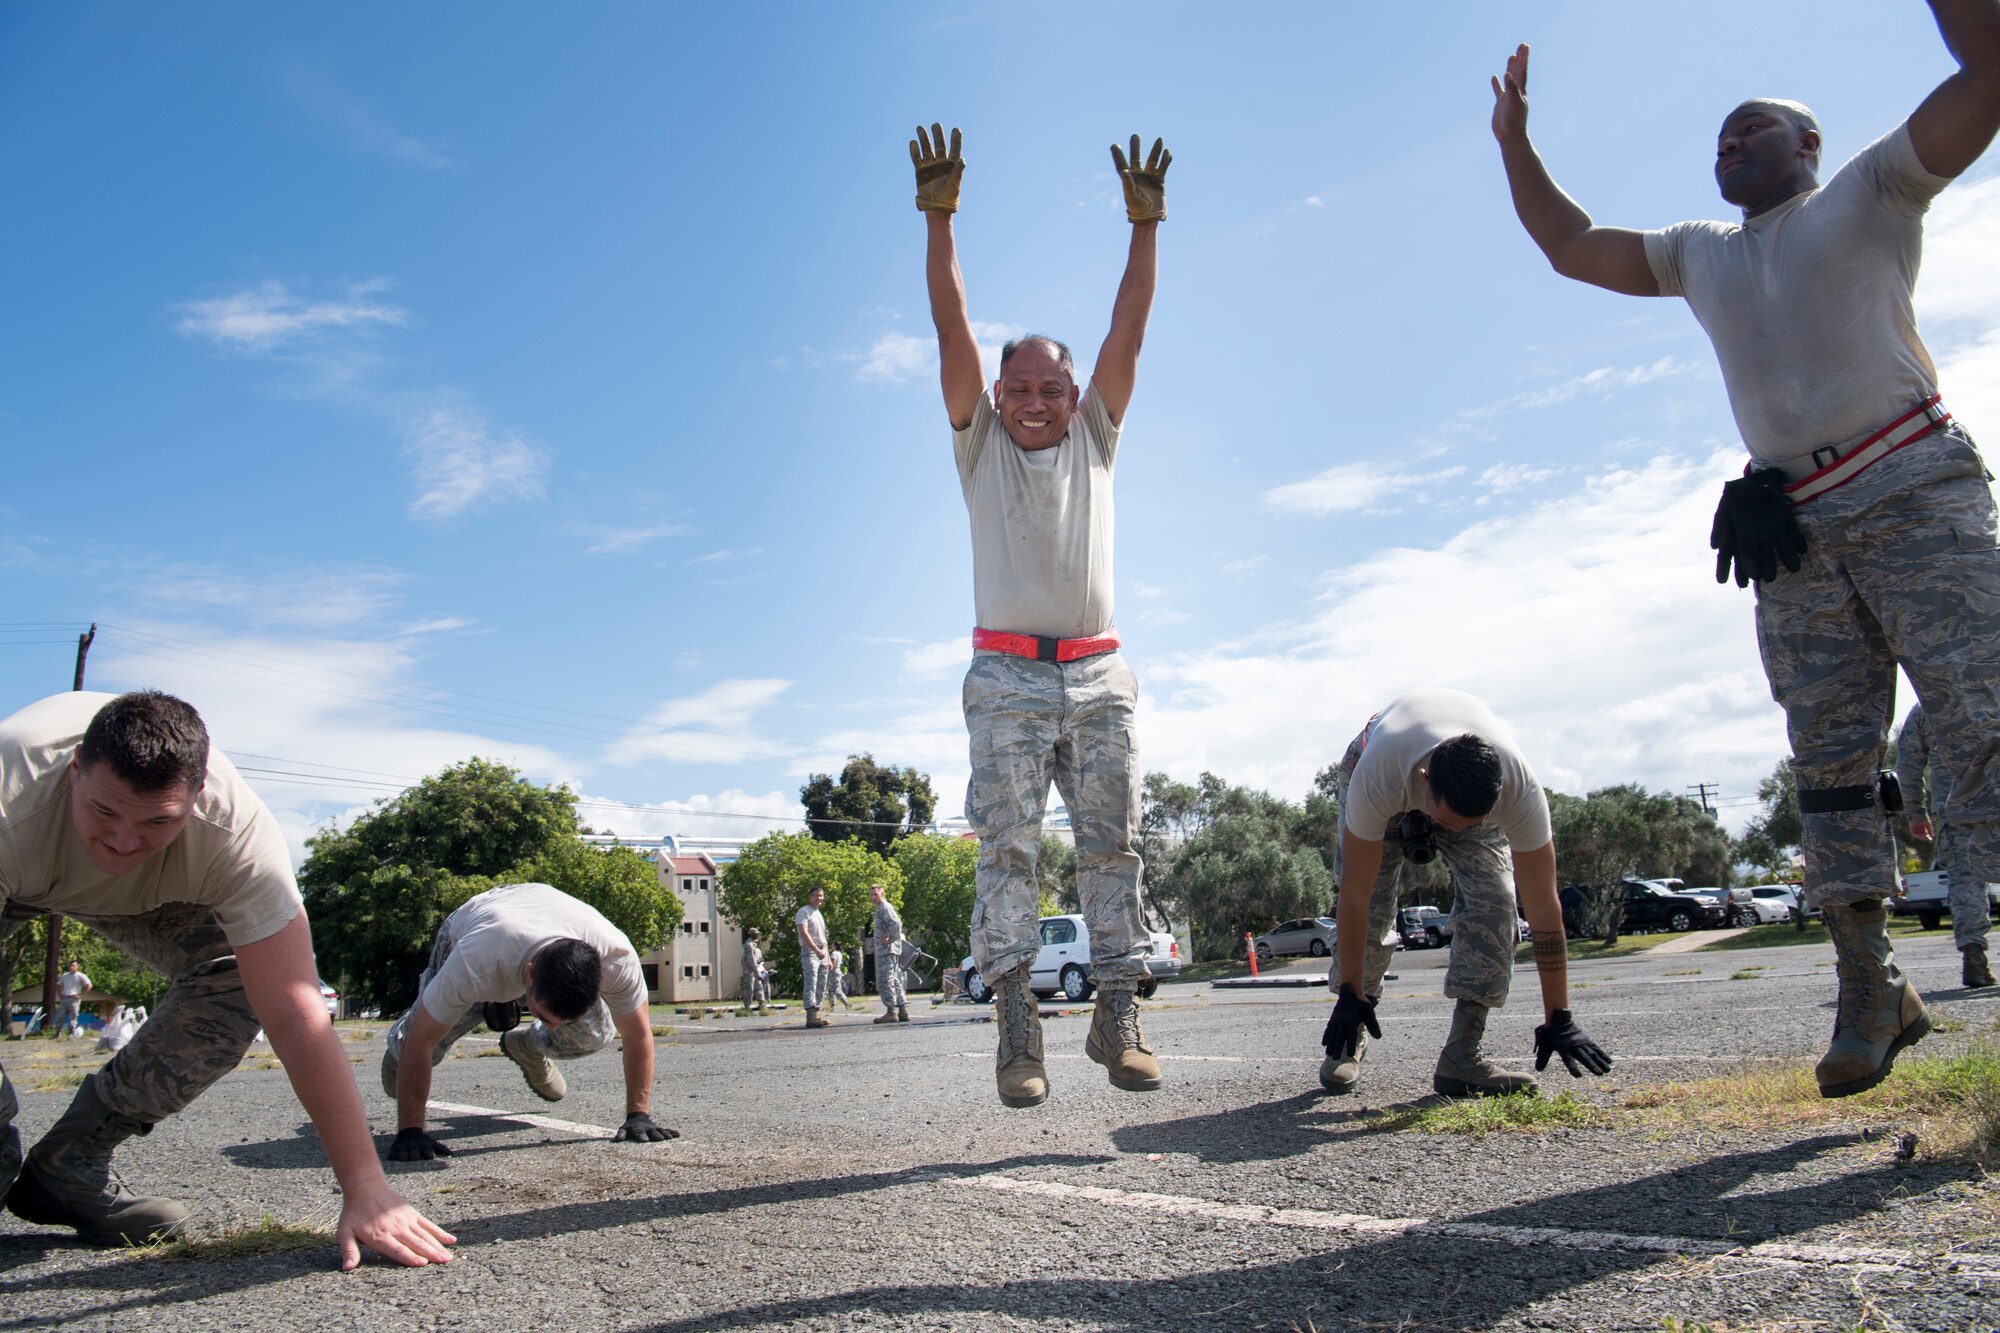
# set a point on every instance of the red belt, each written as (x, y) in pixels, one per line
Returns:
(1919, 421)
(1044, 649)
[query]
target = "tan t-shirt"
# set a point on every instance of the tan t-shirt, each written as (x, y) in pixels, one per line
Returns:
(230, 857)
(1386, 781)
(1041, 523)
(494, 934)
(1808, 305)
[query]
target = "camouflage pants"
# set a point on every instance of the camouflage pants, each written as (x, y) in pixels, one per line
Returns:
(1032, 723)
(565, 1041)
(817, 978)
(72, 1015)
(889, 975)
(198, 1033)
(1483, 911)
(1902, 569)
(1971, 910)
(756, 990)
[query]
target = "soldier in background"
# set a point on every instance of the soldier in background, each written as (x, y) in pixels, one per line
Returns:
(814, 960)
(889, 948)
(1860, 485)
(1927, 786)
(756, 990)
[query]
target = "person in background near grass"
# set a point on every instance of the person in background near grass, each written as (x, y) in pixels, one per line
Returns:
(116, 812)
(889, 949)
(756, 991)
(1859, 484)
(72, 984)
(1435, 774)
(814, 959)
(1927, 786)
(523, 945)
(836, 979)
(1047, 697)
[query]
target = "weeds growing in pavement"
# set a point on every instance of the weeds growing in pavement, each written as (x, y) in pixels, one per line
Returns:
(1952, 1102)
(1746, 973)
(1492, 1115)
(59, 1080)
(268, 1236)
(1684, 972)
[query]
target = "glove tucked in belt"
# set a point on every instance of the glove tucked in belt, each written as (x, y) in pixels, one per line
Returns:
(1756, 528)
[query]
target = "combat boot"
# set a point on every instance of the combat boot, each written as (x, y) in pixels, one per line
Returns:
(1019, 1068)
(813, 1020)
(1116, 1042)
(1342, 1075)
(1879, 1012)
(888, 1015)
(1462, 1071)
(540, 1071)
(902, 1013)
(1974, 971)
(67, 1180)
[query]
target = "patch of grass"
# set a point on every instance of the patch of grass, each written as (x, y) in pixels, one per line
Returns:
(261, 1062)
(59, 1080)
(1748, 973)
(1683, 972)
(1782, 933)
(664, 1029)
(1951, 1101)
(1939, 1023)
(269, 1236)
(1587, 949)
(487, 1052)
(1493, 1115)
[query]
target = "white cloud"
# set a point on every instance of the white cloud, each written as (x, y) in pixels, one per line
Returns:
(364, 130)
(938, 659)
(718, 557)
(1603, 380)
(1589, 620)
(1512, 476)
(1351, 486)
(734, 813)
(265, 318)
(1247, 566)
(897, 357)
(458, 463)
(311, 599)
(706, 728)
(1314, 201)
(1958, 302)
(620, 541)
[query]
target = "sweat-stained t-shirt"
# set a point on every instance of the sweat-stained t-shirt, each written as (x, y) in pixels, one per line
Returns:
(1386, 780)
(494, 935)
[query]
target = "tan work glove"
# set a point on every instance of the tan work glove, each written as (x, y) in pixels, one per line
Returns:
(1145, 187)
(938, 172)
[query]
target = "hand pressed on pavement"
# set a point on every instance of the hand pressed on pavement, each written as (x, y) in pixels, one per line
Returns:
(384, 1221)
(414, 1145)
(1145, 186)
(1756, 528)
(938, 171)
(639, 1128)
(1351, 1013)
(1561, 1036)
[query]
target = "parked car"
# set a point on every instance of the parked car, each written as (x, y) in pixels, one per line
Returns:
(1410, 923)
(1308, 935)
(1062, 964)
(1439, 928)
(1772, 903)
(1926, 896)
(1735, 903)
(1649, 905)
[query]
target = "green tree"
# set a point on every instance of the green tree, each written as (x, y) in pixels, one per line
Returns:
(378, 890)
(1055, 874)
(1772, 839)
(767, 884)
(1240, 866)
(868, 801)
(939, 875)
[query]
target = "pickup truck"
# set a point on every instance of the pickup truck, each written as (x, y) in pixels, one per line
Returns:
(1926, 896)
(1062, 964)
(1652, 905)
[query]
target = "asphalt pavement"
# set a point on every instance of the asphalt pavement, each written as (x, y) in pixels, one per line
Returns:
(864, 1177)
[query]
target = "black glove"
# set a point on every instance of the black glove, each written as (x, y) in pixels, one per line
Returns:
(1350, 1014)
(501, 1015)
(1755, 527)
(639, 1128)
(1561, 1036)
(413, 1145)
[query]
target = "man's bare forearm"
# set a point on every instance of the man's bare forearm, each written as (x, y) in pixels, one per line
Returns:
(1552, 219)
(1971, 32)
(638, 1058)
(413, 1087)
(959, 372)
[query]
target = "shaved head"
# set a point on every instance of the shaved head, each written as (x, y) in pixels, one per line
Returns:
(1798, 113)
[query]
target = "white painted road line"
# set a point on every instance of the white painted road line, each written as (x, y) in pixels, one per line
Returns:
(1774, 1252)
(538, 1121)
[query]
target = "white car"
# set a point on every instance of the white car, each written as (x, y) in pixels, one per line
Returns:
(1062, 964)
(1770, 904)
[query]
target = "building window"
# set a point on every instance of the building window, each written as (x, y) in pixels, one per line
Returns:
(704, 927)
(687, 927)
(651, 971)
(704, 971)
(687, 974)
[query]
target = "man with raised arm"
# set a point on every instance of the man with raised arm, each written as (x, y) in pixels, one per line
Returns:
(532, 947)
(1047, 697)
(115, 811)
(1436, 774)
(1860, 485)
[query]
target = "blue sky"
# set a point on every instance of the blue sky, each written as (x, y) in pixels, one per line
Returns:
(555, 384)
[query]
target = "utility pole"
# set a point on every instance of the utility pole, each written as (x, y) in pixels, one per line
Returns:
(1703, 789)
(52, 967)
